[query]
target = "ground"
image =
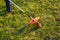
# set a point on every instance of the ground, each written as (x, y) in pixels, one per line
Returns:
(13, 25)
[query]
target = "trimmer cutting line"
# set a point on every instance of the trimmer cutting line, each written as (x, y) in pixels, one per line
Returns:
(33, 20)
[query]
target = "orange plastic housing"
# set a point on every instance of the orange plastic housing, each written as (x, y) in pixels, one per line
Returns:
(34, 20)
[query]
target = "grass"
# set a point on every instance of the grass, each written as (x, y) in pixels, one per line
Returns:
(13, 25)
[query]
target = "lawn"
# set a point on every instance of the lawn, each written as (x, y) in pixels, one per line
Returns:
(13, 25)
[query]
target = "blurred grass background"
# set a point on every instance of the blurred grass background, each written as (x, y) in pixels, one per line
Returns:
(13, 24)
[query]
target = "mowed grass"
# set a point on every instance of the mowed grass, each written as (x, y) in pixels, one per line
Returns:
(13, 25)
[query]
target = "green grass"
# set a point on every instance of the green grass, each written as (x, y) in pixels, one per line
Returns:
(13, 24)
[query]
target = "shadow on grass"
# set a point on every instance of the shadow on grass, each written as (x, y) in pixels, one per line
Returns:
(33, 29)
(22, 30)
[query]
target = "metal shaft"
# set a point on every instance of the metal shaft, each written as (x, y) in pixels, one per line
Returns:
(20, 9)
